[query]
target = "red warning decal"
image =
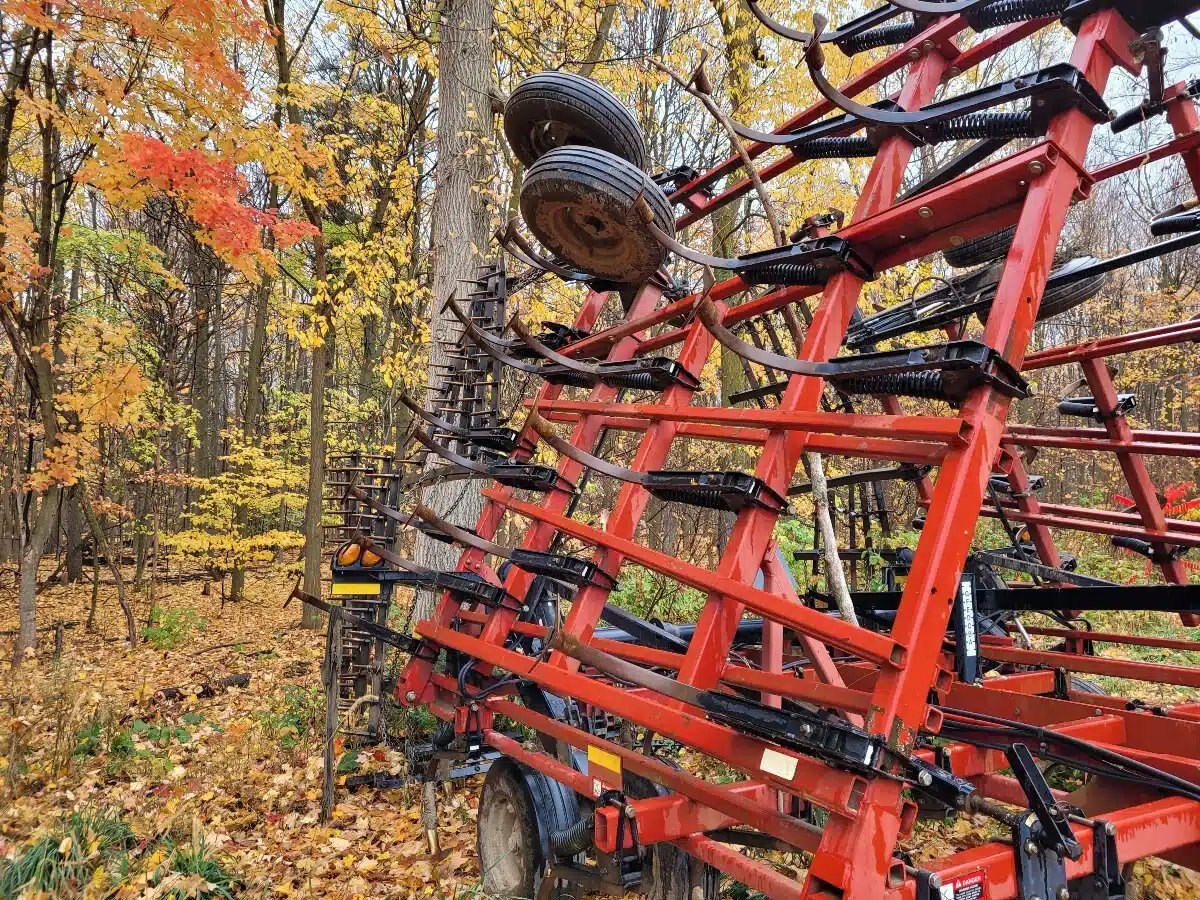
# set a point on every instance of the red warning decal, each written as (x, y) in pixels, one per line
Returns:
(966, 887)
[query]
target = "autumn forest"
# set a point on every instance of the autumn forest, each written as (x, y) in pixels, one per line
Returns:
(229, 230)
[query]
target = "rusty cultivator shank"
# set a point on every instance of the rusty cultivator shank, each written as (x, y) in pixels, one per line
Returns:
(835, 734)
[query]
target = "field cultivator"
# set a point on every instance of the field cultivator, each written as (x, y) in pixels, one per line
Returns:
(835, 728)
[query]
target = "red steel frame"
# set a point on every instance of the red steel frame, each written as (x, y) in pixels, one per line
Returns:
(882, 681)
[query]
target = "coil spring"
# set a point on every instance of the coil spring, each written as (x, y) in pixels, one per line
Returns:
(834, 148)
(703, 497)
(927, 385)
(883, 36)
(976, 126)
(574, 838)
(1010, 12)
(786, 274)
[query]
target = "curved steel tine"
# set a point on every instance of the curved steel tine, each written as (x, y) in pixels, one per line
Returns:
(761, 137)
(936, 8)
(395, 559)
(450, 456)
(485, 342)
(536, 258)
(710, 316)
(776, 26)
(382, 508)
(460, 535)
(716, 262)
(862, 23)
(433, 476)
(424, 415)
(504, 237)
(603, 466)
(814, 57)
(541, 349)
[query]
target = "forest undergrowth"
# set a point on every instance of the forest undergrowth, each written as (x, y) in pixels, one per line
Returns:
(139, 774)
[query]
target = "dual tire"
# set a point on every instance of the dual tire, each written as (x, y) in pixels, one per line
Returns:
(587, 159)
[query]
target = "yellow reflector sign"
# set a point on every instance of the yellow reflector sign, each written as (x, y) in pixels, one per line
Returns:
(344, 588)
(604, 767)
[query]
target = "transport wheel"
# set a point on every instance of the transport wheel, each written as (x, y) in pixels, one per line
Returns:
(669, 873)
(579, 202)
(518, 810)
(1083, 686)
(1062, 297)
(980, 250)
(558, 109)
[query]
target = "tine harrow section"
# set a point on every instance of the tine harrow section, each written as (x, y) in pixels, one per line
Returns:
(952, 673)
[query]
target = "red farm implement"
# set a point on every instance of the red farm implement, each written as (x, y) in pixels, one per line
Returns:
(840, 733)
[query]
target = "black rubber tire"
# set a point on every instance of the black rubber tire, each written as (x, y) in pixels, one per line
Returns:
(558, 109)
(518, 810)
(669, 873)
(980, 250)
(579, 202)
(1059, 298)
(1083, 686)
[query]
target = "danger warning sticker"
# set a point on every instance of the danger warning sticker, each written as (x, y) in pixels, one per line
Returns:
(966, 887)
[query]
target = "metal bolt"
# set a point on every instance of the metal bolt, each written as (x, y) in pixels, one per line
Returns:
(914, 53)
(1031, 848)
(1037, 167)
(1110, 829)
(957, 240)
(935, 881)
(955, 71)
(925, 212)
(630, 812)
(924, 778)
(1097, 712)
(927, 45)
(411, 696)
(1063, 893)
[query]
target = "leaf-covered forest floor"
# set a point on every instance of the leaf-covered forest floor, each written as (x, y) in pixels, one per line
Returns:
(109, 788)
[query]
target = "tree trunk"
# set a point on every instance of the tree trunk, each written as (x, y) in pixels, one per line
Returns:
(254, 399)
(460, 220)
(100, 546)
(74, 530)
(314, 507)
(31, 559)
(204, 276)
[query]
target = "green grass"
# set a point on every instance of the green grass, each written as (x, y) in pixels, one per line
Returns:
(300, 715)
(170, 628)
(195, 859)
(63, 862)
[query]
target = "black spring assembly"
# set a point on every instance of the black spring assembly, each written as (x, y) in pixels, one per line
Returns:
(924, 385)
(835, 148)
(983, 125)
(1010, 12)
(883, 36)
(973, 126)
(787, 274)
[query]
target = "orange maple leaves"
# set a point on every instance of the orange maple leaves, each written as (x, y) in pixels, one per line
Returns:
(212, 191)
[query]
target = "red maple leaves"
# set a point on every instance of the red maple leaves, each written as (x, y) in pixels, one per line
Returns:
(213, 192)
